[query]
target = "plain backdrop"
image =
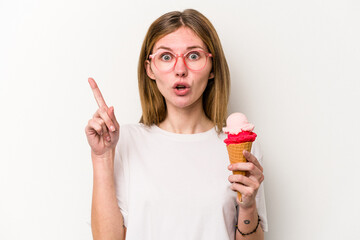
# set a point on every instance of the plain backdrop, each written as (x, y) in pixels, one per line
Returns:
(295, 74)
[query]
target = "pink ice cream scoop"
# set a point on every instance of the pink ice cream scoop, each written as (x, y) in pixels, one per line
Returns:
(237, 122)
(239, 130)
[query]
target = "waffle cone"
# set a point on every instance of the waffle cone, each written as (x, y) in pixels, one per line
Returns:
(236, 155)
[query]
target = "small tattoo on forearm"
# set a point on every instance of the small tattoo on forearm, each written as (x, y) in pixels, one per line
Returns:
(247, 221)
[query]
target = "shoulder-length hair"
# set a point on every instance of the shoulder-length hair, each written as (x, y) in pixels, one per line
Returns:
(216, 95)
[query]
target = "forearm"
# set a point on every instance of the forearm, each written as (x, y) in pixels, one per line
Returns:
(106, 218)
(247, 221)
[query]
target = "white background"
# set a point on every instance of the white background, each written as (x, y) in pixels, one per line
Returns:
(295, 74)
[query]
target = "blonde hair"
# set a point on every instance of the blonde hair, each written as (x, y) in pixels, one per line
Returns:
(216, 95)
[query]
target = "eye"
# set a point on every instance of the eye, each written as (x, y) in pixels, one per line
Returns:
(193, 56)
(166, 57)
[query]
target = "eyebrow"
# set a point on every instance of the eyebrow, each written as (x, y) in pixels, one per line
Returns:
(188, 48)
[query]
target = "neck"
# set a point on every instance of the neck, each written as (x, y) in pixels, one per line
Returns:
(188, 120)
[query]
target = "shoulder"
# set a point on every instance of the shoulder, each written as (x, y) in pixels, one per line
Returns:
(134, 128)
(129, 132)
(132, 134)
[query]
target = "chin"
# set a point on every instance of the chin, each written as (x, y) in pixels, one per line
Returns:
(184, 104)
(180, 103)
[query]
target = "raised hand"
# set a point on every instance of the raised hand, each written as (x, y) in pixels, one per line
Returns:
(249, 184)
(102, 131)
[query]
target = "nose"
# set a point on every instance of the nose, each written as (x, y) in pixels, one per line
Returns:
(180, 67)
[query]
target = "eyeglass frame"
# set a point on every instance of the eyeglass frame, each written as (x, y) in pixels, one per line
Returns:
(182, 56)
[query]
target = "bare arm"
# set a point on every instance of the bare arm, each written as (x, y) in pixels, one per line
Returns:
(248, 186)
(102, 133)
(106, 218)
(247, 221)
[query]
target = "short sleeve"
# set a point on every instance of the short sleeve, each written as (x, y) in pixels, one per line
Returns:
(260, 197)
(121, 177)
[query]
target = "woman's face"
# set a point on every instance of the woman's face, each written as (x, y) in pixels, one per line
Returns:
(180, 42)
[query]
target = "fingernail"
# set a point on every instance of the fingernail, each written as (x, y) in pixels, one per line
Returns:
(112, 128)
(230, 167)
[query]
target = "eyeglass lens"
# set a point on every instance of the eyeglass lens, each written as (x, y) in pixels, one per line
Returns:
(195, 60)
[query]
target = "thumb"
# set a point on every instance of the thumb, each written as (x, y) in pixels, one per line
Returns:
(112, 117)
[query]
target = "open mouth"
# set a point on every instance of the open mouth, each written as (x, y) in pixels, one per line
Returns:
(180, 87)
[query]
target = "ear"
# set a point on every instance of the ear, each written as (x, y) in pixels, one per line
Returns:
(211, 76)
(149, 71)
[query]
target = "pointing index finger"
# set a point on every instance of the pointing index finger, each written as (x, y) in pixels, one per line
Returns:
(97, 94)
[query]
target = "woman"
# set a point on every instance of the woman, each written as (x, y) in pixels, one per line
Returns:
(168, 176)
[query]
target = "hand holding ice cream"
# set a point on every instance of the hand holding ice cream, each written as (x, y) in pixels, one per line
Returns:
(240, 138)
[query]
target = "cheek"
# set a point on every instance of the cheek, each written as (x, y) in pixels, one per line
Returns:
(202, 80)
(161, 84)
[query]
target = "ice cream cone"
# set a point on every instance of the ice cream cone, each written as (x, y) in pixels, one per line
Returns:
(236, 155)
(240, 137)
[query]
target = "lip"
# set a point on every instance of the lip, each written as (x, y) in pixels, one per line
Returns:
(181, 92)
(181, 83)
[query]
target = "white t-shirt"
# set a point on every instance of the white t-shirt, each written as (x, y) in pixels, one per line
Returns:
(175, 186)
